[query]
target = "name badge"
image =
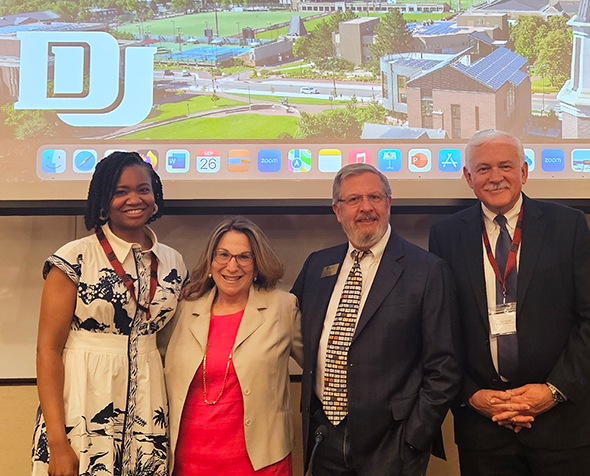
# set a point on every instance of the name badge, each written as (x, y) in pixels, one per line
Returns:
(503, 319)
(330, 270)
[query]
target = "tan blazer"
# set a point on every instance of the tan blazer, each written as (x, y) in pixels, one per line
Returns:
(269, 333)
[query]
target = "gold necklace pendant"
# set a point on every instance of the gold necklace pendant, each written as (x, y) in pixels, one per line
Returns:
(205, 378)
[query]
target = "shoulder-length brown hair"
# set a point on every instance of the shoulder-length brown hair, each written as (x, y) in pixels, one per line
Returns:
(268, 269)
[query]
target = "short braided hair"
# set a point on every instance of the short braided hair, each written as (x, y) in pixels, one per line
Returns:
(104, 182)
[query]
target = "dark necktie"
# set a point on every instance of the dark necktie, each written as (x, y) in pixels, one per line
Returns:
(507, 343)
(335, 398)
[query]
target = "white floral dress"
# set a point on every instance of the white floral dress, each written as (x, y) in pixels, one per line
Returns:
(116, 411)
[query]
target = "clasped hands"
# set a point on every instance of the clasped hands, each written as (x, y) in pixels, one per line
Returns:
(515, 408)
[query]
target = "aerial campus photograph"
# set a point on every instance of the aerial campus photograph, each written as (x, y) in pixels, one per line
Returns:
(314, 69)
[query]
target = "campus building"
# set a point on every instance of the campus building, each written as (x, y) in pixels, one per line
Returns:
(574, 97)
(364, 7)
(456, 94)
(353, 39)
(480, 32)
(545, 8)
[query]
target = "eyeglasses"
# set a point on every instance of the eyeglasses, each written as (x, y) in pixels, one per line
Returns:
(356, 200)
(224, 257)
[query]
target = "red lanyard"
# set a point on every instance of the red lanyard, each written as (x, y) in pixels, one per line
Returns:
(511, 254)
(127, 281)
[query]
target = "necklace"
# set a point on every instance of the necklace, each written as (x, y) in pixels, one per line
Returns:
(205, 377)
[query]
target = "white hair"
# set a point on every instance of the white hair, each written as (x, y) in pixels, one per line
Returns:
(490, 135)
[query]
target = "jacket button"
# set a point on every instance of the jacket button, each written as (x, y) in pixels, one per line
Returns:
(247, 422)
(486, 342)
(246, 391)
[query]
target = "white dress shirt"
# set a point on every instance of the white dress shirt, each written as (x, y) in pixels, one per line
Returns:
(369, 265)
(493, 230)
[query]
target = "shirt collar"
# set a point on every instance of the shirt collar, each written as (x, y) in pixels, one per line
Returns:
(122, 248)
(511, 216)
(378, 248)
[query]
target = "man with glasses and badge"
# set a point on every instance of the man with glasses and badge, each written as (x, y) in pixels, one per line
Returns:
(381, 364)
(522, 270)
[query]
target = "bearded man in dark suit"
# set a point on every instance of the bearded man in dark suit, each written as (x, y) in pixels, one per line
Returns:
(379, 334)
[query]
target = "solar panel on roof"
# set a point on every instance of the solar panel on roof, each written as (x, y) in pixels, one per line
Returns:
(495, 69)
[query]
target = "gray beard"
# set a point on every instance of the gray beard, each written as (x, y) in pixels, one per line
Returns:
(363, 240)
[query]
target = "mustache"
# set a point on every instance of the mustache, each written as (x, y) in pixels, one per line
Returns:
(367, 216)
(497, 186)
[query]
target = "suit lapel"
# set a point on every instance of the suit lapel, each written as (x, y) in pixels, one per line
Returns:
(386, 278)
(252, 318)
(533, 231)
(471, 237)
(202, 316)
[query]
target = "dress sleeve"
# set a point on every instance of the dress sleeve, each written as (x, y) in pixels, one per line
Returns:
(69, 259)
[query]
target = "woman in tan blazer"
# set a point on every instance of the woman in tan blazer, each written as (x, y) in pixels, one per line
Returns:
(227, 363)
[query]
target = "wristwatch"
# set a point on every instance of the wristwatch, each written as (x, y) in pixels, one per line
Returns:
(557, 395)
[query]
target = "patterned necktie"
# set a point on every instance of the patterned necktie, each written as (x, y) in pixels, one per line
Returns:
(335, 399)
(507, 343)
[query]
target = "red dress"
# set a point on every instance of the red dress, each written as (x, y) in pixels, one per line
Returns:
(211, 438)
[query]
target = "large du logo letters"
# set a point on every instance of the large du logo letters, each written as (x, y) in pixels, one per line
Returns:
(85, 82)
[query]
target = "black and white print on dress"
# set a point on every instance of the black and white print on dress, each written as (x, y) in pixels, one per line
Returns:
(116, 411)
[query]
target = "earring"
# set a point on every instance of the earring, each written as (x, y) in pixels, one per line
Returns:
(210, 275)
(103, 216)
(255, 278)
(155, 209)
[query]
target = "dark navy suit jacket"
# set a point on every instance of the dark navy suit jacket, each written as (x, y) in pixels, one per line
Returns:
(403, 366)
(552, 319)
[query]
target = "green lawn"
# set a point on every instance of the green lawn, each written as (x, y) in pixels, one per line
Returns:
(537, 86)
(195, 104)
(194, 24)
(236, 126)
(293, 65)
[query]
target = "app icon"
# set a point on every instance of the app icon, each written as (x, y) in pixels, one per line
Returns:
(420, 160)
(529, 157)
(150, 156)
(238, 160)
(269, 160)
(53, 161)
(84, 161)
(208, 161)
(177, 161)
(111, 151)
(581, 160)
(449, 160)
(552, 160)
(299, 160)
(390, 160)
(329, 160)
(359, 156)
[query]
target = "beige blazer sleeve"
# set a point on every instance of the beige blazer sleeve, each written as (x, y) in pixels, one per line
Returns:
(268, 335)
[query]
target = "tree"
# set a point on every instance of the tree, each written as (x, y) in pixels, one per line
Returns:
(27, 124)
(524, 34)
(68, 11)
(374, 113)
(318, 45)
(555, 57)
(341, 123)
(391, 35)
